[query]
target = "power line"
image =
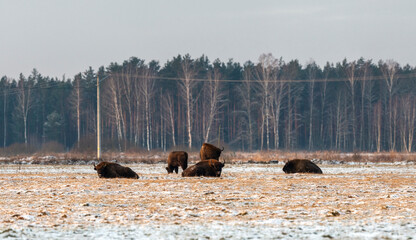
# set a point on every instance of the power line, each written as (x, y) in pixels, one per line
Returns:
(368, 78)
(58, 84)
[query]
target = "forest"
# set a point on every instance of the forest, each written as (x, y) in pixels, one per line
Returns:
(272, 104)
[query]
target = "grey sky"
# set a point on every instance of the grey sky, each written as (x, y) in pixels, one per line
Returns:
(67, 36)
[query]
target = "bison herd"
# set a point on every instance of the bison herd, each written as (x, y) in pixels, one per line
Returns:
(209, 166)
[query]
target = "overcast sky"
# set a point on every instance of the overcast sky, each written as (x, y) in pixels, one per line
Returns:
(60, 37)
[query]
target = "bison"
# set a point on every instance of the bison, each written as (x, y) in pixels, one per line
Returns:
(301, 166)
(209, 151)
(114, 170)
(206, 168)
(176, 159)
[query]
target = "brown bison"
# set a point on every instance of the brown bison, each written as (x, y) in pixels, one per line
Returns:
(176, 159)
(206, 168)
(301, 166)
(114, 170)
(209, 151)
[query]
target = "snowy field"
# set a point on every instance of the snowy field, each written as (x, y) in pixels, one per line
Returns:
(249, 201)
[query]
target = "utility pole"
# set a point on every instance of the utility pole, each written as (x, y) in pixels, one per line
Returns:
(4, 112)
(98, 121)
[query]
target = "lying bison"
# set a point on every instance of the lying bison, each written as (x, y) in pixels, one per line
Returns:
(301, 166)
(114, 170)
(209, 151)
(206, 168)
(176, 159)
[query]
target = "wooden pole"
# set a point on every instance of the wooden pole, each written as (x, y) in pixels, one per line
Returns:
(98, 120)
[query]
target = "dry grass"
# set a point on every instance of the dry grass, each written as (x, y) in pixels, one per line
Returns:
(323, 156)
(227, 156)
(73, 199)
(31, 198)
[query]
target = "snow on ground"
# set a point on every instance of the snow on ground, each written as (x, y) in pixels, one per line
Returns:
(249, 201)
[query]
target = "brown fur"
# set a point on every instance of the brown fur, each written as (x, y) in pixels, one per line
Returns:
(209, 151)
(206, 168)
(114, 170)
(301, 166)
(176, 159)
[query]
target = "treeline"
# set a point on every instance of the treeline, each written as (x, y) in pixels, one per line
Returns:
(357, 105)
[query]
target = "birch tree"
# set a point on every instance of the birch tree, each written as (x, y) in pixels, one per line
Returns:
(24, 101)
(213, 100)
(247, 102)
(147, 89)
(186, 85)
(377, 113)
(323, 98)
(266, 77)
(312, 68)
(389, 70)
(114, 102)
(341, 124)
(169, 109)
(407, 121)
(76, 101)
(279, 93)
(5, 96)
(352, 80)
(366, 98)
(129, 79)
(290, 73)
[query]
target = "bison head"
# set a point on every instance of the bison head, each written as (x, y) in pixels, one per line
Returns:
(170, 170)
(100, 168)
(217, 166)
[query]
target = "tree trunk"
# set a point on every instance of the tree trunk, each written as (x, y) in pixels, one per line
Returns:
(311, 119)
(214, 98)
(352, 80)
(78, 111)
(186, 85)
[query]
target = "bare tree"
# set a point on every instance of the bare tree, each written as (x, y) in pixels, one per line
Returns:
(128, 80)
(5, 96)
(407, 121)
(137, 102)
(75, 102)
(377, 125)
(114, 102)
(266, 76)
(389, 70)
(279, 93)
(366, 98)
(323, 95)
(169, 108)
(395, 120)
(186, 85)
(247, 101)
(147, 89)
(24, 101)
(278, 96)
(352, 80)
(341, 121)
(213, 100)
(290, 72)
(312, 68)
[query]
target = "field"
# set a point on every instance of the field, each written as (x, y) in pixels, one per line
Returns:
(249, 201)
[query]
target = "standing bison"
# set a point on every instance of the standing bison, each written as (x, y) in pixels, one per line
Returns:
(176, 159)
(301, 166)
(114, 170)
(209, 151)
(206, 168)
